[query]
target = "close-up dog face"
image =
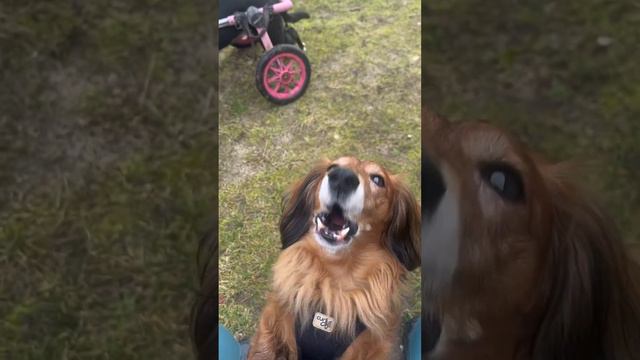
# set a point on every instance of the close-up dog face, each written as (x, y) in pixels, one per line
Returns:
(347, 203)
(486, 205)
(518, 261)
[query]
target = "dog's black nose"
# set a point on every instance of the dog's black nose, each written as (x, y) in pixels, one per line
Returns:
(342, 182)
(433, 186)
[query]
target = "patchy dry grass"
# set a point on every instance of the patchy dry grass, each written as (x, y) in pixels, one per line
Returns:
(107, 175)
(363, 99)
(564, 75)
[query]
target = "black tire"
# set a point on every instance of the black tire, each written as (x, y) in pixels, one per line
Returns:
(262, 70)
(292, 37)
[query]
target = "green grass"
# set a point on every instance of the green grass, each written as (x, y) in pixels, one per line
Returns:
(107, 271)
(107, 176)
(562, 75)
(363, 100)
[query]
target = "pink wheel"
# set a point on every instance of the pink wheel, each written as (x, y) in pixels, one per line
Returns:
(283, 74)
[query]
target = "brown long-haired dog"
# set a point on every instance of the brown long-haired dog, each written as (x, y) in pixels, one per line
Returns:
(518, 263)
(350, 233)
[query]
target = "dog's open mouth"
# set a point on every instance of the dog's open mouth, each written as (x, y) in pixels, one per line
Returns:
(335, 227)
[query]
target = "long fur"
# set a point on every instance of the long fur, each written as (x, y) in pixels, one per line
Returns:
(365, 284)
(299, 205)
(593, 296)
(373, 302)
(403, 234)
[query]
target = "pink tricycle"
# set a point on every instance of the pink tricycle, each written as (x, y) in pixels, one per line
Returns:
(283, 71)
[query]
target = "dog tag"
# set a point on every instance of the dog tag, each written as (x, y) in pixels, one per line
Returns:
(323, 322)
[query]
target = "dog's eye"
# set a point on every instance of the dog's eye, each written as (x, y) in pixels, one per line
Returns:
(504, 180)
(378, 180)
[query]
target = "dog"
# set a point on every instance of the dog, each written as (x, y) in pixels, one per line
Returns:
(350, 234)
(518, 262)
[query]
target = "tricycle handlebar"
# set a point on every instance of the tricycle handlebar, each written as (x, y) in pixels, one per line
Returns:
(228, 21)
(280, 7)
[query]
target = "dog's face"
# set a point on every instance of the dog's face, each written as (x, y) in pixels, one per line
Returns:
(512, 246)
(354, 195)
(487, 213)
(347, 200)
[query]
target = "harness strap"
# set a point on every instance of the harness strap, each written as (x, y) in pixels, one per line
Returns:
(315, 344)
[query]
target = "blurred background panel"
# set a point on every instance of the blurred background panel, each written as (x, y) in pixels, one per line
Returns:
(108, 167)
(563, 75)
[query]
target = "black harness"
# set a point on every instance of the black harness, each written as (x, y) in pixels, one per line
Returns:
(315, 344)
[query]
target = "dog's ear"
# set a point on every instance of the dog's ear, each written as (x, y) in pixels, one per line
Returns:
(592, 308)
(298, 206)
(403, 234)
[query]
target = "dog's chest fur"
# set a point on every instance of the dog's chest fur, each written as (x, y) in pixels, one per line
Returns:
(365, 286)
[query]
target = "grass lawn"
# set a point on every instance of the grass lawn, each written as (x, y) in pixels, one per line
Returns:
(363, 100)
(564, 75)
(107, 175)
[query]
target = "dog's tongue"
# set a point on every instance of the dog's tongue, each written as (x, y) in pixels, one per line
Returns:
(336, 219)
(341, 235)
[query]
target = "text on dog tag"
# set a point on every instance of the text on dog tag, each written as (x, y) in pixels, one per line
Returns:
(323, 322)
